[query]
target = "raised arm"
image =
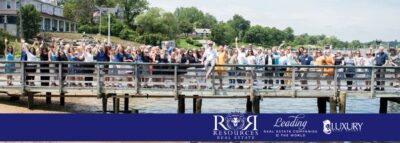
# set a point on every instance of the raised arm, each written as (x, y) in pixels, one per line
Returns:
(6, 46)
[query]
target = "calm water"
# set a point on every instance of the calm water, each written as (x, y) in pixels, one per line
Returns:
(274, 105)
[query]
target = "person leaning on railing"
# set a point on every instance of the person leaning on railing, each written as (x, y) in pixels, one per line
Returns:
(339, 60)
(9, 67)
(44, 68)
(282, 68)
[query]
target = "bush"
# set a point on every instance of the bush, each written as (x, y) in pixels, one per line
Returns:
(150, 38)
(128, 34)
(3, 34)
(85, 28)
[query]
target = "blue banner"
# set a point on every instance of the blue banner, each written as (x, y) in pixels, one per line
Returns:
(199, 127)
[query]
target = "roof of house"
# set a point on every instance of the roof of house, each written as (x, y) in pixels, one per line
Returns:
(202, 31)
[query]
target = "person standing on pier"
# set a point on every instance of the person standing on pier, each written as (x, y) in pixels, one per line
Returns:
(222, 57)
(394, 59)
(320, 60)
(44, 68)
(88, 57)
(339, 60)
(381, 59)
(9, 67)
(350, 69)
(359, 71)
(269, 71)
(53, 57)
(329, 72)
(241, 61)
(368, 61)
(260, 60)
(282, 69)
(233, 59)
(31, 57)
(305, 60)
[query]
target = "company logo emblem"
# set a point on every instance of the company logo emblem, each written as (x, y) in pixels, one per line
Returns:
(326, 129)
(235, 121)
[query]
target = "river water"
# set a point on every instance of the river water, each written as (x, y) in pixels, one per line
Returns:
(357, 104)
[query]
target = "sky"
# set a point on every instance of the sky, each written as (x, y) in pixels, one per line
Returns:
(363, 20)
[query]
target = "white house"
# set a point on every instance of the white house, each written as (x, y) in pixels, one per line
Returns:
(53, 19)
(201, 32)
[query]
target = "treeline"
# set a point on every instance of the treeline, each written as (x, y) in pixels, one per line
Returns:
(151, 25)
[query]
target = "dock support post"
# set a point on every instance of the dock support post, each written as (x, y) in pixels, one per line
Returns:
(181, 104)
(197, 102)
(62, 99)
(332, 104)
(126, 103)
(383, 105)
(256, 105)
(30, 100)
(321, 101)
(104, 99)
(48, 97)
(116, 104)
(342, 102)
(248, 105)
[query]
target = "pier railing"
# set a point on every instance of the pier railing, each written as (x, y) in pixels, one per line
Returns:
(92, 79)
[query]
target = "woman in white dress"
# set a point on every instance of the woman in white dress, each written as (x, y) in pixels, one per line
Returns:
(368, 60)
(359, 71)
(250, 60)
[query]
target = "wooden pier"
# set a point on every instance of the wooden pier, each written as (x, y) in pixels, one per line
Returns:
(127, 81)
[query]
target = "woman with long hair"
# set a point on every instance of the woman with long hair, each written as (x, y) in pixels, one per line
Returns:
(329, 72)
(9, 67)
(53, 57)
(350, 70)
(250, 60)
(222, 57)
(320, 60)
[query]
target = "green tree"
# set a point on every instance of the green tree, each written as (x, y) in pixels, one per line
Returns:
(80, 10)
(106, 3)
(155, 20)
(257, 35)
(222, 34)
(240, 25)
(30, 21)
(133, 8)
(185, 27)
(207, 21)
(191, 14)
(355, 44)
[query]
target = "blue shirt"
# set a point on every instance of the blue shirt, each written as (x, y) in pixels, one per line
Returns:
(120, 57)
(275, 57)
(169, 50)
(305, 60)
(101, 57)
(23, 56)
(380, 59)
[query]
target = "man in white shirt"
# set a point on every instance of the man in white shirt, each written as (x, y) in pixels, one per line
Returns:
(210, 56)
(241, 61)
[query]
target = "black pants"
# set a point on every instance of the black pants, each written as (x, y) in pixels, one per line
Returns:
(349, 82)
(380, 74)
(281, 74)
(89, 70)
(240, 73)
(269, 74)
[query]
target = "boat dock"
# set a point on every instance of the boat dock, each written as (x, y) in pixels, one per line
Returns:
(127, 81)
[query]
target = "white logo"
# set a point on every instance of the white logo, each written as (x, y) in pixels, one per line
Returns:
(330, 127)
(327, 130)
(235, 121)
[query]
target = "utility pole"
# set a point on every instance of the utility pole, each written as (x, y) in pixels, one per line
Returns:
(100, 23)
(109, 28)
(21, 31)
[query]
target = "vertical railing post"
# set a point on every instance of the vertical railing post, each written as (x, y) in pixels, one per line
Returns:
(372, 82)
(60, 83)
(98, 78)
(293, 81)
(335, 80)
(176, 81)
(137, 83)
(212, 80)
(23, 79)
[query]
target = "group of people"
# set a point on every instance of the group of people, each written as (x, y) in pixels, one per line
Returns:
(210, 56)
